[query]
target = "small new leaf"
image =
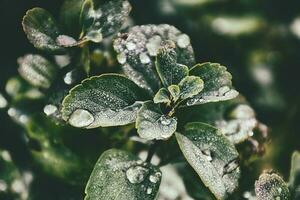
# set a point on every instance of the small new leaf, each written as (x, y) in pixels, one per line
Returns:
(217, 84)
(151, 123)
(270, 186)
(138, 48)
(190, 86)
(100, 19)
(169, 71)
(212, 156)
(42, 30)
(162, 96)
(101, 101)
(37, 70)
(175, 92)
(119, 175)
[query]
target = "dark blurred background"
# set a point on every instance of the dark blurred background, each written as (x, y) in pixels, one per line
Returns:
(264, 60)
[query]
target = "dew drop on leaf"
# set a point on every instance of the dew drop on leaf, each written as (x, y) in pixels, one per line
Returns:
(121, 58)
(136, 174)
(50, 109)
(164, 120)
(144, 58)
(81, 118)
(183, 41)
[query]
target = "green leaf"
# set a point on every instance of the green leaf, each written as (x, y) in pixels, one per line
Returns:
(100, 19)
(120, 175)
(175, 92)
(70, 16)
(138, 48)
(212, 156)
(105, 100)
(234, 118)
(270, 186)
(294, 180)
(42, 30)
(151, 123)
(217, 84)
(190, 86)
(37, 70)
(169, 71)
(162, 96)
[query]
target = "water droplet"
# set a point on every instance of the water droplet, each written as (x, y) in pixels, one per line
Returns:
(18, 186)
(81, 118)
(62, 60)
(153, 45)
(149, 190)
(65, 41)
(50, 109)
(279, 190)
(68, 78)
(130, 46)
(277, 198)
(3, 102)
(136, 174)
(121, 58)
(12, 112)
(144, 58)
(165, 121)
(183, 41)
(155, 178)
(207, 154)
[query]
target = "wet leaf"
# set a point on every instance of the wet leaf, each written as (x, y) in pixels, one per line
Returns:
(190, 86)
(217, 84)
(37, 70)
(70, 16)
(120, 175)
(175, 92)
(151, 123)
(162, 96)
(105, 100)
(169, 71)
(234, 118)
(100, 19)
(212, 156)
(138, 48)
(270, 186)
(42, 30)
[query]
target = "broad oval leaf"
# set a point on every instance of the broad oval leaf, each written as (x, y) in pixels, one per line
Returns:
(270, 186)
(100, 19)
(151, 123)
(37, 70)
(120, 175)
(162, 96)
(190, 86)
(105, 100)
(41, 30)
(217, 84)
(212, 156)
(170, 72)
(137, 50)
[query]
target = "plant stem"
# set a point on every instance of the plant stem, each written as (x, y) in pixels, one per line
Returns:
(151, 151)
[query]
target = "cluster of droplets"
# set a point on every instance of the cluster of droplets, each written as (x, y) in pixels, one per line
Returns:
(240, 125)
(222, 94)
(138, 174)
(136, 51)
